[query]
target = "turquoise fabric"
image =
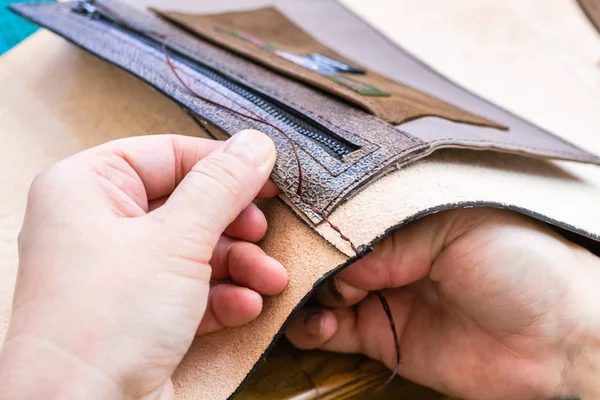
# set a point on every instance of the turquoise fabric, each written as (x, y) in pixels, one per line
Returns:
(13, 28)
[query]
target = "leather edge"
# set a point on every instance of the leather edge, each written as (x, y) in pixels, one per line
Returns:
(414, 217)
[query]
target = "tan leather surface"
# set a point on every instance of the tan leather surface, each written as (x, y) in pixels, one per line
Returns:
(591, 8)
(558, 191)
(56, 100)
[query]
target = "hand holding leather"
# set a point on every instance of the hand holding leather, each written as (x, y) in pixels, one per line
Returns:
(121, 254)
(488, 305)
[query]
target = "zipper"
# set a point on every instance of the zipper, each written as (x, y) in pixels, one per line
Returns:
(332, 143)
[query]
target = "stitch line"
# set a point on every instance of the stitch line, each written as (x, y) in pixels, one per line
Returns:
(384, 164)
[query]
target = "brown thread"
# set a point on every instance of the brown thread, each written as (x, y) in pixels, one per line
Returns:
(388, 313)
(334, 227)
(383, 300)
(250, 117)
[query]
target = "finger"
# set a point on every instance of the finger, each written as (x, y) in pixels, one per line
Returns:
(250, 225)
(154, 204)
(160, 161)
(141, 168)
(361, 329)
(269, 190)
(168, 392)
(229, 306)
(218, 188)
(332, 330)
(248, 266)
(404, 257)
(337, 293)
(219, 262)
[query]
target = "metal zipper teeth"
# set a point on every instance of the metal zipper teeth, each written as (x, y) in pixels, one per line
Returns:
(334, 145)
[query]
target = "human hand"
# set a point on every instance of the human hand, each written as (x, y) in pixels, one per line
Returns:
(125, 248)
(488, 305)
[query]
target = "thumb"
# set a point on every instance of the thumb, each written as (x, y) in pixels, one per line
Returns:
(219, 187)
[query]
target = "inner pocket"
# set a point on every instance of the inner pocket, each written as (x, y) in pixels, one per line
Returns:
(267, 37)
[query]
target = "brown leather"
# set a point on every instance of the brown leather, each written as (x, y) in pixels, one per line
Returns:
(269, 25)
(326, 179)
(591, 8)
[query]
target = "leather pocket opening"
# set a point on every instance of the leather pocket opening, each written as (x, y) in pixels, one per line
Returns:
(269, 38)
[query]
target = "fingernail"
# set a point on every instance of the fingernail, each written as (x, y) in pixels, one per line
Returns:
(314, 323)
(251, 146)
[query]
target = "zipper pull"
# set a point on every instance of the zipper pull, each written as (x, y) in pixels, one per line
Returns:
(86, 7)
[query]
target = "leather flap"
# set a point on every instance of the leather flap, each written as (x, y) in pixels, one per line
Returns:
(268, 37)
